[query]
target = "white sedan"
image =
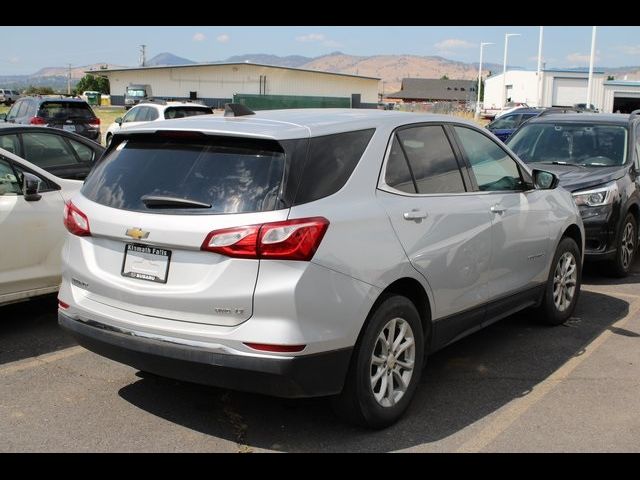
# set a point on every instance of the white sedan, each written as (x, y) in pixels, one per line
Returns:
(31, 225)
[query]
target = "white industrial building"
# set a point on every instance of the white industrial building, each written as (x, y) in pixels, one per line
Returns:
(563, 88)
(218, 83)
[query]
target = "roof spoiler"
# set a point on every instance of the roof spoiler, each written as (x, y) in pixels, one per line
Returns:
(237, 110)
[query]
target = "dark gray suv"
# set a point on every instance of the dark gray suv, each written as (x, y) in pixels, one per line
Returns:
(56, 111)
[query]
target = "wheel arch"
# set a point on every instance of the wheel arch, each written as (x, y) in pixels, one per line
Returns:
(412, 289)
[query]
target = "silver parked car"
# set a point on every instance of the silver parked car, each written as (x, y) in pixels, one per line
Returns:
(311, 252)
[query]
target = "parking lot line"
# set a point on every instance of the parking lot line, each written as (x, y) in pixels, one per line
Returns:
(604, 292)
(519, 406)
(45, 359)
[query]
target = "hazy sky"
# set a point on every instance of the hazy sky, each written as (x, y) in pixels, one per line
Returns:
(27, 49)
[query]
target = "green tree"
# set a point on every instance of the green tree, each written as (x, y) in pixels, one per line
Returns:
(31, 90)
(610, 77)
(444, 77)
(92, 82)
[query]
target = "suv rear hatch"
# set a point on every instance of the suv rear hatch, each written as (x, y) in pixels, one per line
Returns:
(151, 202)
(74, 117)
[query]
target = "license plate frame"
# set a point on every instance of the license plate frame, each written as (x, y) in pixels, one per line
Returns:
(69, 128)
(146, 255)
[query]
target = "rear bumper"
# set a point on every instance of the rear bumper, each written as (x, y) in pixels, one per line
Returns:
(292, 377)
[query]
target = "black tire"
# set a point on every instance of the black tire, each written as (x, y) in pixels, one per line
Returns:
(357, 404)
(107, 140)
(549, 312)
(621, 264)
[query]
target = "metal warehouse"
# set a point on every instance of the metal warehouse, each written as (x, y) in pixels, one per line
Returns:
(255, 85)
(562, 88)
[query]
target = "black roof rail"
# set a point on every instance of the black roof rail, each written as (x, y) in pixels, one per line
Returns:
(551, 110)
(237, 110)
(159, 101)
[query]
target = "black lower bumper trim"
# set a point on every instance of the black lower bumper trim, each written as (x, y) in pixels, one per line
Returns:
(294, 377)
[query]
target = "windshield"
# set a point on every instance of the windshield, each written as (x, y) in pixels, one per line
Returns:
(230, 175)
(571, 144)
(135, 92)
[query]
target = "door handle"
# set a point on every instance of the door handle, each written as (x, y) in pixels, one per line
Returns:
(415, 215)
(497, 209)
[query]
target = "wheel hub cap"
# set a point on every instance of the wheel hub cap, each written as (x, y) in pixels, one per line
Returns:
(565, 278)
(392, 362)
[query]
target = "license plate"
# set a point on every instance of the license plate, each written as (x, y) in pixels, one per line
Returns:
(146, 263)
(69, 128)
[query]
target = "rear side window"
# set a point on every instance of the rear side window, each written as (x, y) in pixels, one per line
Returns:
(47, 150)
(9, 143)
(181, 112)
(232, 175)
(65, 110)
(331, 160)
(429, 159)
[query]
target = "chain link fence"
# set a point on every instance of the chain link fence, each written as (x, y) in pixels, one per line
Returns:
(441, 108)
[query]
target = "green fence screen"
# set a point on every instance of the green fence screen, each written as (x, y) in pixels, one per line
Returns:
(274, 102)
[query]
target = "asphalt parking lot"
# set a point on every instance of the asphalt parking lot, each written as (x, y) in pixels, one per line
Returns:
(516, 386)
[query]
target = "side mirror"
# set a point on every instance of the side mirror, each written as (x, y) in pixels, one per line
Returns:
(30, 187)
(544, 180)
(3, 117)
(118, 120)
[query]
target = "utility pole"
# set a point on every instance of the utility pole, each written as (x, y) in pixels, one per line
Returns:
(482, 45)
(538, 75)
(143, 58)
(504, 66)
(69, 79)
(590, 81)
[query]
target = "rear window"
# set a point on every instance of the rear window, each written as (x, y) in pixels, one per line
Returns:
(182, 112)
(64, 110)
(231, 175)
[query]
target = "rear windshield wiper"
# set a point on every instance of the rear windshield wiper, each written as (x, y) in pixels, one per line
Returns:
(555, 162)
(155, 201)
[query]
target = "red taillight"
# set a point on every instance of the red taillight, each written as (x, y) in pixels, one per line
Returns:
(94, 121)
(62, 305)
(37, 121)
(76, 221)
(275, 348)
(288, 240)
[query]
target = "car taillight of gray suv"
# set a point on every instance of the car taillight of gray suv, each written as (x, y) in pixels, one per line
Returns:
(302, 253)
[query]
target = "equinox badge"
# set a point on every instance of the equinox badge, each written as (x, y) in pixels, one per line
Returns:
(136, 233)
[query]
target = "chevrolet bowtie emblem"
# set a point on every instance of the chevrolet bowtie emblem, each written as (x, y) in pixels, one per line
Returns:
(136, 233)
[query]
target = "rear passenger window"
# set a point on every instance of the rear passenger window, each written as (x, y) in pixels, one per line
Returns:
(84, 153)
(47, 150)
(330, 162)
(397, 174)
(9, 143)
(431, 160)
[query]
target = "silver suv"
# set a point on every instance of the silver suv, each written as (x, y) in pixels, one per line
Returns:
(8, 96)
(305, 253)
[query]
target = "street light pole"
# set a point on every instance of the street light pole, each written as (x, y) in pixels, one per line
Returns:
(590, 81)
(539, 65)
(482, 44)
(504, 66)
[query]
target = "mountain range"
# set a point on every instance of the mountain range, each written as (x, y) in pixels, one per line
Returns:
(391, 69)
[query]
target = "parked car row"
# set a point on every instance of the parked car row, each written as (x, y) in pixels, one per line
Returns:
(321, 252)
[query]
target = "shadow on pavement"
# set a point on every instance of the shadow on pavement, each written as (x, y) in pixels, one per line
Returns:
(30, 328)
(460, 385)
